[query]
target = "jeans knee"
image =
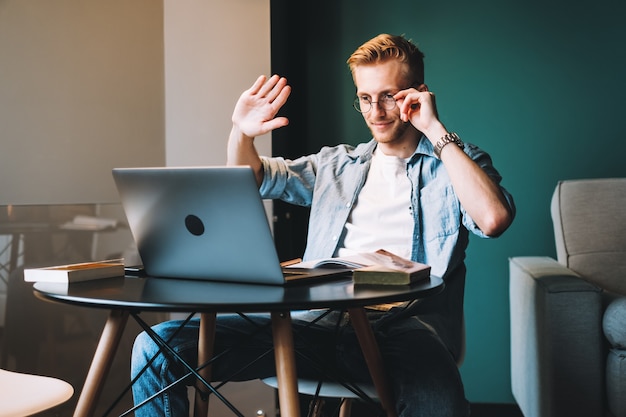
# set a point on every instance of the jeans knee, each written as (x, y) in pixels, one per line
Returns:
(143, 350)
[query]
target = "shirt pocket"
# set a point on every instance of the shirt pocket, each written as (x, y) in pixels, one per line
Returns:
(440, 209)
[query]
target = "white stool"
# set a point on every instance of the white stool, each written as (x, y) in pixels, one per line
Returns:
(25, 394)
(329, 389)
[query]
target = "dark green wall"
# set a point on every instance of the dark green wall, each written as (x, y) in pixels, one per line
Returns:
(540, 85)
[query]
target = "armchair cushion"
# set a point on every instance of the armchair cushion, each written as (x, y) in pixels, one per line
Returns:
(614, 324)
(590, 229)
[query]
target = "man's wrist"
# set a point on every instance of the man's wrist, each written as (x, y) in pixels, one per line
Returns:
(446, 140)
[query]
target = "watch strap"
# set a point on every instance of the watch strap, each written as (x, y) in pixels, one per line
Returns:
(449, 138)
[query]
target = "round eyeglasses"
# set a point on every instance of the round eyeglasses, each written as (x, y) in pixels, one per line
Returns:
(364, 104)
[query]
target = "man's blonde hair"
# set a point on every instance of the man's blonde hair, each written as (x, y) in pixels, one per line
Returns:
(385, 47)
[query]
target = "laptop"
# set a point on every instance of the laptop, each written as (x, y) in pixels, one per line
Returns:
(205, 223)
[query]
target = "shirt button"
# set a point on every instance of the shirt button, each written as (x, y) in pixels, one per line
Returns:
(334, 238)
(348, 205)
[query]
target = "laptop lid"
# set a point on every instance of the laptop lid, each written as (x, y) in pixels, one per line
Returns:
(200, 223)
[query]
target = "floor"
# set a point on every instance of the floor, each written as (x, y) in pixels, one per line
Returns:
(496, 410)
(361, 409)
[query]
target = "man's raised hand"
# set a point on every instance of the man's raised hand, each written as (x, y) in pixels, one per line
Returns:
(257, 107)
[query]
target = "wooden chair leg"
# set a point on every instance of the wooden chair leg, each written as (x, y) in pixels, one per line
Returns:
(205, 352)
(315, 407)
(373, 358)
(346, 407)
(285, 359)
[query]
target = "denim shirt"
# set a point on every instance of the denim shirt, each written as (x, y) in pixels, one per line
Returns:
(330, 181)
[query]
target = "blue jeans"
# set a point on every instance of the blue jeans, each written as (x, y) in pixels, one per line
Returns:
(424, 375)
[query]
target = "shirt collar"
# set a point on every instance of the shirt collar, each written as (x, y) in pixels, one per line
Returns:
(424, 147)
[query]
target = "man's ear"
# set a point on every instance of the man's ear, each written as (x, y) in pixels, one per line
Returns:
(422, 88)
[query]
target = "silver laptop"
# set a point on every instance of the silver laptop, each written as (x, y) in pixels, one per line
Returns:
(204, 223)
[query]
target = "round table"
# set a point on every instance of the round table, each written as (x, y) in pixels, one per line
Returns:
(126, 295)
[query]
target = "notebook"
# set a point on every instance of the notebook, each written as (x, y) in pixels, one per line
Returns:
(206, 223)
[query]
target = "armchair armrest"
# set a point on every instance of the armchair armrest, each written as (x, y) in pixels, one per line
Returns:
(557, 364)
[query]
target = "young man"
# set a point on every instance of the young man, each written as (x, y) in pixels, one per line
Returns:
(415, 189)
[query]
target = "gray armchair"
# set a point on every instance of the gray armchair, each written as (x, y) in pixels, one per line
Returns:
(568, 316)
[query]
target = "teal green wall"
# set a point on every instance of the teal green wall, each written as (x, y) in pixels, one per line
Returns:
(540, 85)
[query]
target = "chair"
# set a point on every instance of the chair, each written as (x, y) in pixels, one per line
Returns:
(336, 390)
(327, 389)
(26, 394)
(568, 315)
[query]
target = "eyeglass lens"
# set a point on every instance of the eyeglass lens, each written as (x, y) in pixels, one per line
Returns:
(364, 104)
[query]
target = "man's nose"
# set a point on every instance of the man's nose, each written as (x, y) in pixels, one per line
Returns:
(377, 108)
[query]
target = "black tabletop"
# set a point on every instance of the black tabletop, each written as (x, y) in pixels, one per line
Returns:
(178, 295)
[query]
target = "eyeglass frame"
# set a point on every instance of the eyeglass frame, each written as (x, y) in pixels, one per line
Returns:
(386, 96)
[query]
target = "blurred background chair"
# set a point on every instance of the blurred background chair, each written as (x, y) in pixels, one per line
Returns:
(568, 315)
(25, 394)
(43, 338)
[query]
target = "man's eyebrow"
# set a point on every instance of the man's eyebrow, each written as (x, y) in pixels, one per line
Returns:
(390, 91)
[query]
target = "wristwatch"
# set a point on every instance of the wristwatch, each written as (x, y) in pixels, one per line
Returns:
(449, 138)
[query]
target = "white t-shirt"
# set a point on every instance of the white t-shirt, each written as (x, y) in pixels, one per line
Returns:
(381, 216)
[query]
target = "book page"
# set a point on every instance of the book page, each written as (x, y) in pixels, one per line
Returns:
(380, 257)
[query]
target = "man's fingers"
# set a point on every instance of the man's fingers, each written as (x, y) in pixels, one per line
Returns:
(278, 89)
(275, 123)
(257, 85)
(268, 88)
(282, 96)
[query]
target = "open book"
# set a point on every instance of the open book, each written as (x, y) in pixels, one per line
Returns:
(378, 268)
(348, 262)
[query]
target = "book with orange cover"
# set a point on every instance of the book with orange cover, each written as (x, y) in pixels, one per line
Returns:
(78, 272)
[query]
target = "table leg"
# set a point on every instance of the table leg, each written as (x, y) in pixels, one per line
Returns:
(101, 363)
(284, 354)
(205, 353)
(15, 251)
(373, 358)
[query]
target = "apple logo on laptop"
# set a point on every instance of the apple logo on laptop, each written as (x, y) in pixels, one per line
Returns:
(194, 225)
